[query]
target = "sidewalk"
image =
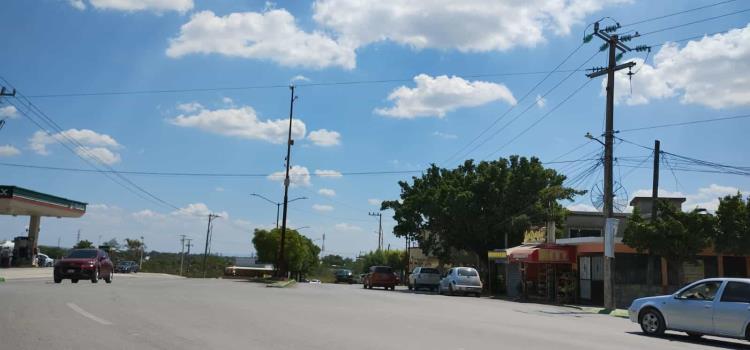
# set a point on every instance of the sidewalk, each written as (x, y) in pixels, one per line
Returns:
(22, 273)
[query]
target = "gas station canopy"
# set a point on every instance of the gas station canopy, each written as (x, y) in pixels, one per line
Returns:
(20, 201)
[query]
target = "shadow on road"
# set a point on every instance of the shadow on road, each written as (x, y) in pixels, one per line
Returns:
(719, 344)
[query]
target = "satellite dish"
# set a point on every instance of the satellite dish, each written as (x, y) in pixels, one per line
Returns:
(619, 202)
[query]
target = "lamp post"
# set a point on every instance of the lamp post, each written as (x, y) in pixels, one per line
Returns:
(277, 204)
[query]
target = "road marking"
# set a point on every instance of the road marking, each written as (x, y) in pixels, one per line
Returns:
(83, 312)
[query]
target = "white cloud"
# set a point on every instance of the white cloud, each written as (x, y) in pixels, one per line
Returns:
(467, 25)
(190, 107)
(8, 112)
(540, 101)
(327, 192)
(581, 207)
(8, 151)
(241, 122)
(146, 214)
(77, 4)
(157, 6)
(271, 35)
(702, 72)
(434, 97)
(347, 227)
(445, 135)
(93, 145)
(705, 197)
(198, 210)
(325, 138)
(374, 201)
(227, 101)
(322, 207)
(329, 174)
(297, 78)
(219, 189)
(298, 175)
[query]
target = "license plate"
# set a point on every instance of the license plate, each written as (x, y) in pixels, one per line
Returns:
(71, 270)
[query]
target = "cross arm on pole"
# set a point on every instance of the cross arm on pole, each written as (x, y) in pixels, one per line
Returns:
(615, 68)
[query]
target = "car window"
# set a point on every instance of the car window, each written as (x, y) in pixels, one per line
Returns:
(736, 292)
(467, 272)
(702, 291)
(82, 254)
(429, 270)
(383, 269)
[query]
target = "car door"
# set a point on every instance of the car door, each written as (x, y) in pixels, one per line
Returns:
(445, 281)
(413, 277)
(732, 311)
(691, 309)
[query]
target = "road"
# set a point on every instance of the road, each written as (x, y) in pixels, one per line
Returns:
(157, 312)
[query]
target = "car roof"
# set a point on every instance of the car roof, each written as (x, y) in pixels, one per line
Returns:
(730, 279)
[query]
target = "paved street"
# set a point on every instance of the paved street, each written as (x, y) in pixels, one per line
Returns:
(156, 312)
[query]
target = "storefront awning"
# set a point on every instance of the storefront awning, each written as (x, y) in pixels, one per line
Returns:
(542, 254)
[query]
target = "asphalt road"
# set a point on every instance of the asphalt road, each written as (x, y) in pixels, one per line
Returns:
(156, 312)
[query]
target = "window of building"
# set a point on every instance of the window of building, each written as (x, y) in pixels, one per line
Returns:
(584, 232)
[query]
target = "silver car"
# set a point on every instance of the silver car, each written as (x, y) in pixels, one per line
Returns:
(714, 306)
(424, 277)
(461, 280)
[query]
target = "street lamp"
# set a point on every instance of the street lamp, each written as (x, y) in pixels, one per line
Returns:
(277, 204)
(300, 228)
(591, 137)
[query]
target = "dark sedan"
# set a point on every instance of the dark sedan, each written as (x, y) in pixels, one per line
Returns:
(126, 267)
(91, 264)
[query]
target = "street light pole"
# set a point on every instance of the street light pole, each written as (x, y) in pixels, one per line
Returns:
(290, 142)
(277, 204)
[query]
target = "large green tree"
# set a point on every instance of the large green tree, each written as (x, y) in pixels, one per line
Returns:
(474, 206)
(732, 235)
(300, 253)
(83, 244)
(674, 235)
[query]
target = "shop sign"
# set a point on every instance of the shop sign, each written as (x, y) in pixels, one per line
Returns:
(552, 255)
(496, 254)
(535, 236)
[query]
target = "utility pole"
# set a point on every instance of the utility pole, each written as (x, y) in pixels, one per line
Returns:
(189, 244)
(143, 247)
(380, 229)
(211, 217)
(182, 252)
(281, 263)
(613, 43)
(323, 249)
(78, 236)
(655, 187)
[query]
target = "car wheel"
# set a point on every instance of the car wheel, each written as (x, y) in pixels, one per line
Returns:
(95, 276)
(450, 290)
(74, 280)
(694, 335)
(364, 285)
(478, 295)
(652, 322)
(747, 333)
(108, 279)
(58, 279)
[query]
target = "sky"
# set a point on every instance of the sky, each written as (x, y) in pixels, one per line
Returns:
(192, 86)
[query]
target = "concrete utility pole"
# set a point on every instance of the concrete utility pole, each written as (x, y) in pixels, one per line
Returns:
(143, 246)
(182, 252)
(211, 217)
(380, 229)
(78, 236)
(655, 187)
(613, 44)
(189, 244)
(281, 271)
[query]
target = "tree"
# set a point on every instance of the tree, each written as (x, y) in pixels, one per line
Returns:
(300, 253)
(674, 235)
(732, 235)
(474, 206)
(392, 258)
(113, 244)
(83, 244)
(335, 260)
(134, 244)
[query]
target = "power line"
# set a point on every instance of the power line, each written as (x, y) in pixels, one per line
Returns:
(694, 22)
(700, 121)
(677, 13)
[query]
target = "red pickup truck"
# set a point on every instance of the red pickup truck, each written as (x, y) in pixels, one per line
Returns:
(380, 276)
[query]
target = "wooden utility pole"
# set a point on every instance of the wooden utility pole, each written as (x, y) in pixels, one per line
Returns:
(655, 187)
(281, 270)
(182, 252)
(211, 217)
(380, 229)
(613, 44)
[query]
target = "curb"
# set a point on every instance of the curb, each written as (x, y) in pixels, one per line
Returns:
(621, 313)
(282, 284)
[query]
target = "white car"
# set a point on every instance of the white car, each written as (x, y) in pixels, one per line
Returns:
(424, 277)
(43, 260)
(714, 306)
(461, 280)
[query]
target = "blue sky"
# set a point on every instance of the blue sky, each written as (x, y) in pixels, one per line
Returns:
(445, 87)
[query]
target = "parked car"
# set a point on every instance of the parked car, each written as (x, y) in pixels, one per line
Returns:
(127, 267)
(380, 276)
(344, 276)
(43, 260)
(714, 306)
(424, 277)
(461, 280)
(90, 264)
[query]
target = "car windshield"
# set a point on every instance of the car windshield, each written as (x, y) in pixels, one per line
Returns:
(343, 272)
(383, 269)
(467, 272)
(429, 270)
(82, 254)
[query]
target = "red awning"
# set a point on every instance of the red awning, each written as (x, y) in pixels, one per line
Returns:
(542, 254)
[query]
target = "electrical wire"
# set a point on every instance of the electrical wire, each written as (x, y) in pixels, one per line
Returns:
(694, 22)
(700, 121)
(677, 13)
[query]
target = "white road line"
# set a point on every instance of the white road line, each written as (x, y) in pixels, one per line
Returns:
(83, 312)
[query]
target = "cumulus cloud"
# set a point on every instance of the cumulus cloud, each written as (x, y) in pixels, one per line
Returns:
(436, 96)
(468, 25)
(8, 112)
(157, 6)
(297, 78)
(190, 107)
(325, 138)
(330, 174)
(704, 197)
(270, 35)
(240, 122)
(93, 145)
(198, 210)
(327, 192)
(322, 207)
(581, 207)
(343, 226)
(8, 151)
(703, 72)
(298, 176)
(374, 201)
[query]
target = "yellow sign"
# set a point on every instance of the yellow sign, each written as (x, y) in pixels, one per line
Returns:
(535, 236)
(552, 255)
(497, 255)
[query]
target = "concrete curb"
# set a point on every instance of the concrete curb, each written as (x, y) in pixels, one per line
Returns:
(281, 284)
(622, 313)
